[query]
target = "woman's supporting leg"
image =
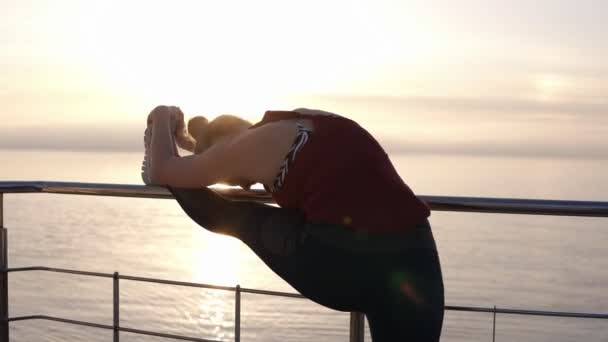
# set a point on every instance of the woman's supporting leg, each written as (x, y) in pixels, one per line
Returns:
(407, 301)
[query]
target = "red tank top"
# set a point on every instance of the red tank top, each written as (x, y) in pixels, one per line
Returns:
(341, 175)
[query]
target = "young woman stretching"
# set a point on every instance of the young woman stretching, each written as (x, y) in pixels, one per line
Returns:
(349, 233)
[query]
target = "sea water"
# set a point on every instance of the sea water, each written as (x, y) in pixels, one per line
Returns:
(511, 261)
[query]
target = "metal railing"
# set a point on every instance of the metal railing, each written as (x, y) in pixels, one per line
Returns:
(438, 203)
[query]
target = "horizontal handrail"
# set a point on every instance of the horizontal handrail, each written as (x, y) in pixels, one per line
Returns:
(117, 190)
(296, 295)
(151, 280)
(108, 327)
(438, 203)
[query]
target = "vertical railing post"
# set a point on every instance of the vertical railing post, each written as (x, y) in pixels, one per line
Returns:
(357, 327)
(4, 331)
(237, 314)
(494, 325)
(116, 306)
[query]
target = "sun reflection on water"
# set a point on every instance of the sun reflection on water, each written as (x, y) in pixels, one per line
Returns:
(215, 308)
(215, 261)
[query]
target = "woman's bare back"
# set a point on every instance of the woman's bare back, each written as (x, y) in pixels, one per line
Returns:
(274, 139)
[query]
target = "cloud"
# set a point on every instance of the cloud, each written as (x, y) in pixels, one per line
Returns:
(407, 125)
(475, 105)
(534, 149)
(84, 137)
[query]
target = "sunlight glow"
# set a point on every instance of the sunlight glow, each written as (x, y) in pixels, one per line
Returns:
(217, 262)
(549, 87)
(238, 56)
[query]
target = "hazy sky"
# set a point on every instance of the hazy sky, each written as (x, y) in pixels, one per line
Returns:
(480, 75)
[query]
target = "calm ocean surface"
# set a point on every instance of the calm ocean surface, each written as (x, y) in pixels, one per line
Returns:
(513, 261)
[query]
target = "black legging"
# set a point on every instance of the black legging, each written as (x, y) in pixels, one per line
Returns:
(395, 279)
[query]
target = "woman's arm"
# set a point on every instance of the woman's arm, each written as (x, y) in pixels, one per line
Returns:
(252, 155)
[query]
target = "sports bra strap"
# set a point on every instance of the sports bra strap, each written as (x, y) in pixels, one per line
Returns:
(301, 139)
